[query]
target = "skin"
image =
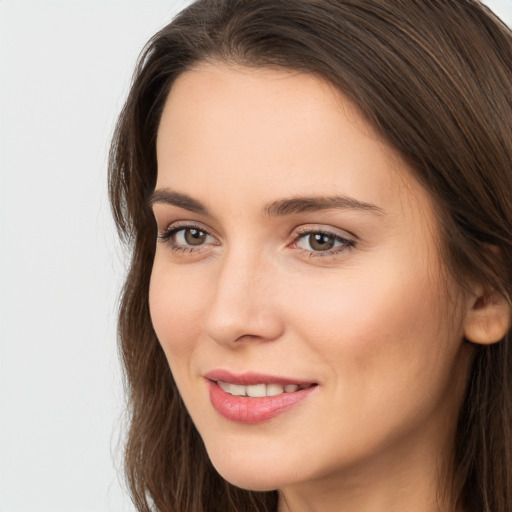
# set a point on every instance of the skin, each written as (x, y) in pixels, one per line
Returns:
(376, 323)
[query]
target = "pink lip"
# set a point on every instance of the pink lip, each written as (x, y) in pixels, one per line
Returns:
(251, 378)
(243, 409)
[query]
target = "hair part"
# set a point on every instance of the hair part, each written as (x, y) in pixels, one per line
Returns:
(433, 77)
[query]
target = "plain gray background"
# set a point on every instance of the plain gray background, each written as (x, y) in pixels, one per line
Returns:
(65, 68)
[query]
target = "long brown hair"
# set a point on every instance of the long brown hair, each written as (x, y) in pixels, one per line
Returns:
(434, 77)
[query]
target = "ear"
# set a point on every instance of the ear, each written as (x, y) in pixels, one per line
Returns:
(488, 318)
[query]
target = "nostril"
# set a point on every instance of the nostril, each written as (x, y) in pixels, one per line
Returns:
(242, 323)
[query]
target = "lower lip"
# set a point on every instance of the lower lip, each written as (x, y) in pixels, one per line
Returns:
(243, 409)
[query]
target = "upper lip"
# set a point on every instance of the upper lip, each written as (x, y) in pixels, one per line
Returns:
(251, 378)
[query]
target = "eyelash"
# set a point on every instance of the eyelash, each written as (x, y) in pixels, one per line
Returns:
(168, 235)
(345, 243)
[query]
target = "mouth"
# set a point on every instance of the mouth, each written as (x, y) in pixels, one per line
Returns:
(254, 398)
(261, 390)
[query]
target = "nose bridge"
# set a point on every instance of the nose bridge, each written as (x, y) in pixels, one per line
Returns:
(240, 306)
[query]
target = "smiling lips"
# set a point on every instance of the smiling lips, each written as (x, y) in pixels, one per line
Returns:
(259, 390)
(252, 398)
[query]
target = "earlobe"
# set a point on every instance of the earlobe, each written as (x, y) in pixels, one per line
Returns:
(488, 319)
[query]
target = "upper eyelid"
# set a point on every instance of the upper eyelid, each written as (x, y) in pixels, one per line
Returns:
(328, 230)
(177, 225)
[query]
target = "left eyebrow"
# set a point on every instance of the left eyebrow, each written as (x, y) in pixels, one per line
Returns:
(311, 204)
(167, 196)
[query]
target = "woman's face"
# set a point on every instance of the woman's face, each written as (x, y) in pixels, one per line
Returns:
(298, 263)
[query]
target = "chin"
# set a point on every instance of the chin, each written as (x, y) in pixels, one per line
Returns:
(249, 480)
(254, 475)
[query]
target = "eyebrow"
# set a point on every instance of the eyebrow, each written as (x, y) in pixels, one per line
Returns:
(166, 196)
(315, 203)
(277, 208)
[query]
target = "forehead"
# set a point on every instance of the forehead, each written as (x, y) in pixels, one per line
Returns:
(267, 133)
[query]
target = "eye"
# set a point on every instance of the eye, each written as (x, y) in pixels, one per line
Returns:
(186, 238)
(190, 236)
(317, 242)
(322, 242)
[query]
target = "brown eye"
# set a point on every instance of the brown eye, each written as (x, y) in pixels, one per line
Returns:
(194, 236)
(321, 241)
(191, 238)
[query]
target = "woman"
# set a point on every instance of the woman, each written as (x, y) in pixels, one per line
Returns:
(318, 196)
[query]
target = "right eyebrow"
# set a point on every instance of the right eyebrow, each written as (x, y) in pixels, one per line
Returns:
(316, 203)
(167, 196)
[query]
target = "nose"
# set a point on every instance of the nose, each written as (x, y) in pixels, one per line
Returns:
(243, 303)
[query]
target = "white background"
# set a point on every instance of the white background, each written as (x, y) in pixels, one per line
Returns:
(64, 72)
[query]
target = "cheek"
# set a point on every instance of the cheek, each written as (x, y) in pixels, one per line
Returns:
(389, 350)
(383, 322)
(175, 303)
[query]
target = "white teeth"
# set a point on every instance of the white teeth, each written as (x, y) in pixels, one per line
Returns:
(237, 390)
(225, 386)
(274, 389)
(258, 390)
